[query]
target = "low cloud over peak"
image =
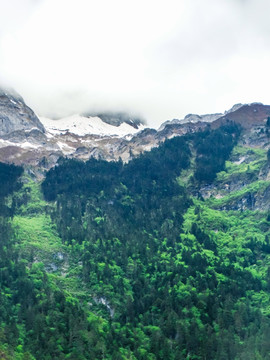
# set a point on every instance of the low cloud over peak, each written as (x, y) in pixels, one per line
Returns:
(160, 60)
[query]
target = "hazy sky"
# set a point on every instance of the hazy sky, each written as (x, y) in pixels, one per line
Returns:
(160, 59)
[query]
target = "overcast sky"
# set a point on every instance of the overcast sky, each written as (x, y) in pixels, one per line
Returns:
(160, 59)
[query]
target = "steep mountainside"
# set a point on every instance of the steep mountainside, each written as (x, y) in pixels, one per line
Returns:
(247, 116)
(15, 115)
(165, 256)
(39, 143)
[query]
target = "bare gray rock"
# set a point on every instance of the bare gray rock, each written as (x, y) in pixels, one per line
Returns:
(15, 115)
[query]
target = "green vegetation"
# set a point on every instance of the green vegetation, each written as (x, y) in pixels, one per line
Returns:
(37, 232)
(128, 261)
(213, 149)
(247, 165)
(255, 187)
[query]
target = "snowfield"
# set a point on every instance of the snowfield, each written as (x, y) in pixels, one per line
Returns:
(80, 125)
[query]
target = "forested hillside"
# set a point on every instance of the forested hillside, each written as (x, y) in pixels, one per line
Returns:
(164, 257)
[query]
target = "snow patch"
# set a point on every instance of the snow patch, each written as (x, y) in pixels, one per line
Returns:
(28, 145)
(80, 125)
(23, 145)
(4, 143)
(32, 129)
(66, 149)
(128, 137)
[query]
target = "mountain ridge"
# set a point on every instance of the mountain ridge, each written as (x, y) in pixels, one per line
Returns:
(25, 138)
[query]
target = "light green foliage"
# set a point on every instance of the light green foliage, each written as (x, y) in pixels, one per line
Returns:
(37, 232)
(255, 187)
(123, 263)
(244, 162)
(29, 199)
(237, 235)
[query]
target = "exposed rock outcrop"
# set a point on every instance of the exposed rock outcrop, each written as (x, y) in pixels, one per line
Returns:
(15, 115)
(26, 139)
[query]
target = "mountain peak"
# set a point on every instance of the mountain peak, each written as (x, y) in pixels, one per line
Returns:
(11, 94)
(117, 118)
(239, 109)
(15, 115)
(82, 125)
(246, 115)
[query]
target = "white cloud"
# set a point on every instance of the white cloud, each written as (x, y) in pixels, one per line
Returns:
(160, 59)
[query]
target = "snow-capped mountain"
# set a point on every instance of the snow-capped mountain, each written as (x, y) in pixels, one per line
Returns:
(40, 142)
(27, 139)
(82, 126)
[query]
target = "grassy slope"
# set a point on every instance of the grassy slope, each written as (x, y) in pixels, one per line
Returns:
(39, 242)
(233, 231)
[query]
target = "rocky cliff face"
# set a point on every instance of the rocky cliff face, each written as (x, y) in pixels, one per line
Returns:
(26, 139)
(15, 115)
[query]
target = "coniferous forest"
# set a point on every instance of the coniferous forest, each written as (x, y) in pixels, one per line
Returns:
(113, 260)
